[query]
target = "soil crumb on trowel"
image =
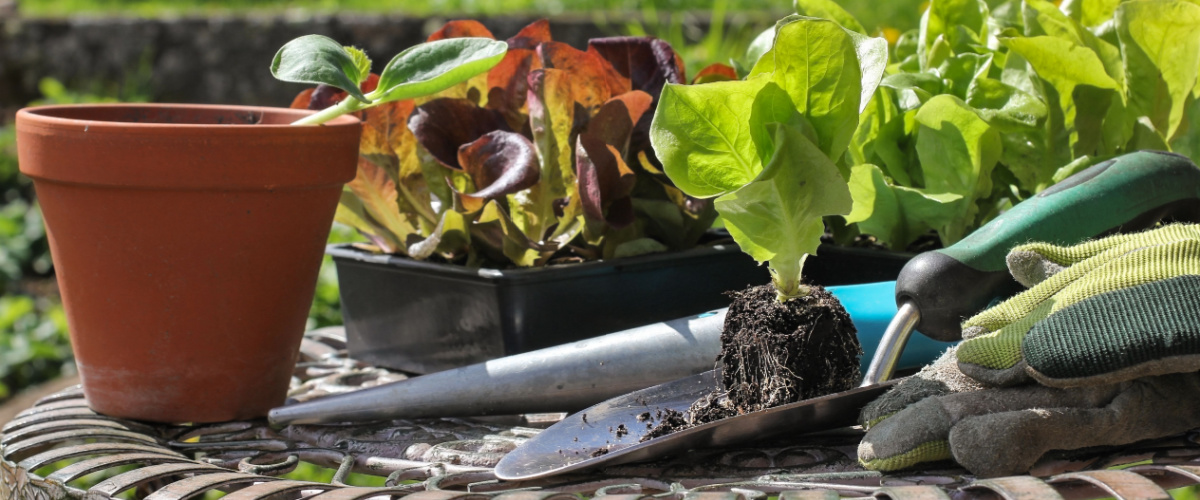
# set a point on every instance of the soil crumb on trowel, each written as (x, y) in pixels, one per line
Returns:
(668, 421)
(775, 353)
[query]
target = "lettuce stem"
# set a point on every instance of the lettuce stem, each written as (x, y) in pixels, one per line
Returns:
(785, 275)
(347, 106)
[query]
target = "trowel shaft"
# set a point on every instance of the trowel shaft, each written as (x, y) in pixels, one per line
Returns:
(560, 378)
(577, 375)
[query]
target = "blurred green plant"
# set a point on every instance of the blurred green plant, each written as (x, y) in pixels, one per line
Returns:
(900, 15)
(33, 342)
(135, 88)
(327, 305)
(308, 472)
(23, 247)
(1186, 493)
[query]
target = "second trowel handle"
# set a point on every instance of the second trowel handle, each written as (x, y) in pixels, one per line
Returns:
(1129, 192)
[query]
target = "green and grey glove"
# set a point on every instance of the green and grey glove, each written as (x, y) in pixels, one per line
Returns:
(1100, 312)
(1110, 327)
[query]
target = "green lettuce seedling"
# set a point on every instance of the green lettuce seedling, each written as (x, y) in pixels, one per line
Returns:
(420, 70)
(767, 147)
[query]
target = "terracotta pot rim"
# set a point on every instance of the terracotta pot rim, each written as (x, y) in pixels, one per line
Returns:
(197, 148)
(58, 116)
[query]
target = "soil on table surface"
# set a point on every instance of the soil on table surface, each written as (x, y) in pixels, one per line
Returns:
(774, 353)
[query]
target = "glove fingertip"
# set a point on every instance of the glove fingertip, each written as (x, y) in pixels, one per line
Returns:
(931, 451)
(1030, 267)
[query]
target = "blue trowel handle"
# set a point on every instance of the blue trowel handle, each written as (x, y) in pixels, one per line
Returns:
(872, 306)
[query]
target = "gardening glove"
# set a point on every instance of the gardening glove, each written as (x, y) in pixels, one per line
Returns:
(1098, 316)
(1001, 431)
(1100, 312)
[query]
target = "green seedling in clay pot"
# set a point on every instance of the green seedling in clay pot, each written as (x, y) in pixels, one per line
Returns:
(767, 148)
(421, 70)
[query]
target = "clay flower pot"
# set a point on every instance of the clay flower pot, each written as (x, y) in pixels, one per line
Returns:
(186, 241)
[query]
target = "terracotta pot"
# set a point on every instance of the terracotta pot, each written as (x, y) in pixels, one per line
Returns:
(186, 240)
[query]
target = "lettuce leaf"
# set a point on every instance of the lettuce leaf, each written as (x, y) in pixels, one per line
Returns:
(777, 217)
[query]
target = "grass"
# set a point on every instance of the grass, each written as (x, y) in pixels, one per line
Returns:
(1186, 493)
(309, 472)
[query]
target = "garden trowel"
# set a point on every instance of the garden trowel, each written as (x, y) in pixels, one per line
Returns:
(573, 376)
(935, 292)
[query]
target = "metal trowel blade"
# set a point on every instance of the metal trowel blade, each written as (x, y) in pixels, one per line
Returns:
(611, 432)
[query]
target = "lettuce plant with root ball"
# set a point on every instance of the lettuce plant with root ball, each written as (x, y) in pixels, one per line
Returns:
(767, 147)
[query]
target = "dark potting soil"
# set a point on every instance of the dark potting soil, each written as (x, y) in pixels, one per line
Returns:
(668, 421)
(775, 353)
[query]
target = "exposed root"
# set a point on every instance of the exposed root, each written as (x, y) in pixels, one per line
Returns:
(775, 353)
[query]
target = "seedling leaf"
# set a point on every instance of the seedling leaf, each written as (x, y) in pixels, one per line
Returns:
(592, 81)
(958, 151)
(461, 28)
(435, 66)
(702, 134)
(1161, 41)
(715, 72)
(895, 215)
(318, 59)
(829, 9)
(531, 36)
(361, 62)
(605, 181)
(647, 63)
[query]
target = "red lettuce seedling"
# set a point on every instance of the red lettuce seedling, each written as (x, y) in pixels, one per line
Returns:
(543, 158)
